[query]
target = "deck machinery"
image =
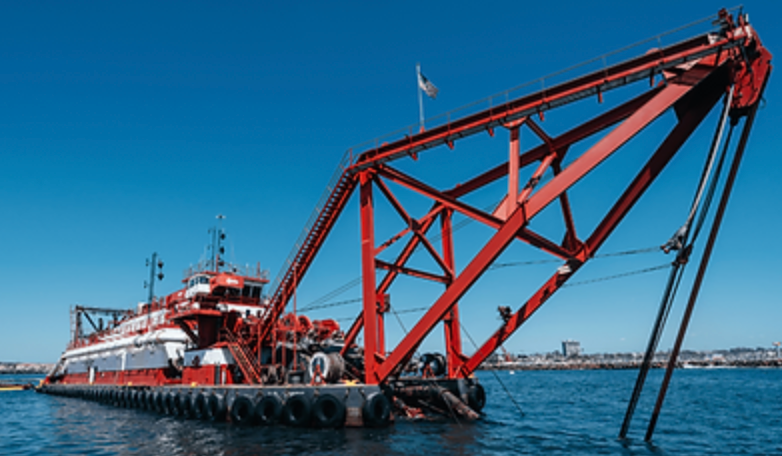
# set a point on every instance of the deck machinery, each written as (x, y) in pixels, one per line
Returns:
(269, 353)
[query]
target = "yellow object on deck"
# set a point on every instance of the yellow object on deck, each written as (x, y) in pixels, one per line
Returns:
(12, 388)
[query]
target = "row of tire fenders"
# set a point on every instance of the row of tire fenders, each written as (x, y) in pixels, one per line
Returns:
(299, 410)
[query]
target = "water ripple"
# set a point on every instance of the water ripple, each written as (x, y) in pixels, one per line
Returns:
(728, 411)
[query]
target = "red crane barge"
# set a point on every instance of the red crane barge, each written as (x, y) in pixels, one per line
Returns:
(231, 353)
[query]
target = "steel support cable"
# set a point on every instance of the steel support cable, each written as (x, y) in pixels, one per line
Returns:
(336, 292)
(567, 285)
(674, 278)
(669, 296)
(317, 303)
(331, 304)
(497, 377)
(603, 255)
(679, 239)
(617, 276)
(713, 187)
(456, 227)
(679, 242)
(404, 328)
(726, 191)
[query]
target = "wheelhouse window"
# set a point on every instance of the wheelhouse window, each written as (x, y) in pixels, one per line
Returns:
(252, 291)
(197, 285)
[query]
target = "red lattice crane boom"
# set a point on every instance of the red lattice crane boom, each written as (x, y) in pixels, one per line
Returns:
(689, 77)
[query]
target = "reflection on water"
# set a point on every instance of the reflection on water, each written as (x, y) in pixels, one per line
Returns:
(717, 412)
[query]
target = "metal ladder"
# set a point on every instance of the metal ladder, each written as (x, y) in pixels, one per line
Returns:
(243, 358)
(321, 221)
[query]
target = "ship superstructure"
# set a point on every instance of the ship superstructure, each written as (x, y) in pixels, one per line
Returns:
(204, 333)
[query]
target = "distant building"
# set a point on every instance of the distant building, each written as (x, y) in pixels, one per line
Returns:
(571, 348)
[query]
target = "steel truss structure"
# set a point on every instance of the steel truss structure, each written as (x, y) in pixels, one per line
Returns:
(689, 77)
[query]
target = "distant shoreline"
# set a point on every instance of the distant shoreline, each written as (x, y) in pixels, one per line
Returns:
(25, 368)
(578, 365)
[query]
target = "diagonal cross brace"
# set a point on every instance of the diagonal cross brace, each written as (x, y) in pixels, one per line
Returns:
(652, 109)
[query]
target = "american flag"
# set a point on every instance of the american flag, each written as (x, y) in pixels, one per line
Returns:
(427, 86)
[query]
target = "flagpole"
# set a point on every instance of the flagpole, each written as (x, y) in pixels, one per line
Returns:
(420, 95)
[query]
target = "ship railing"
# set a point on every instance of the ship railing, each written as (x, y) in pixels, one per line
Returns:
(344, 163)
(602, 62)
(705, 25)
(246, 270)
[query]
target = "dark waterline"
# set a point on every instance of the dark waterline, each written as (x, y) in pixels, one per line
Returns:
(708, 411)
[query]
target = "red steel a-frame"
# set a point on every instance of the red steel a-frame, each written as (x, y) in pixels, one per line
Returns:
(689, 77)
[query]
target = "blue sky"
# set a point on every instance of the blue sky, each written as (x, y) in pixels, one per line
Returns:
(126, 128)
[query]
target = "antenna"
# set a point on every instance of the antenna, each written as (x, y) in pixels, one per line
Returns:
(155, 265)
(218, 235)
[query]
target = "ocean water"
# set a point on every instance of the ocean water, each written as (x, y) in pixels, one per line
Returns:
(707, 411)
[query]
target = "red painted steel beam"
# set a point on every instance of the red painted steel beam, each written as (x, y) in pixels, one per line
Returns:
(571, 239)
(535, 178)
(352, 334)
(394, 202)
(606, 146)
(465, 209)
(368, 265)
(411, 183)
(562, 141)
(413, 225)
(714, 232)
(658, 104)
(505, 208)
(411, 272)
(326, 220)
(389, 278)
(541, 134)
(429, 217)
(699, 102)
(451, 324)
(408, 250)
(598, 82)
(536, 240)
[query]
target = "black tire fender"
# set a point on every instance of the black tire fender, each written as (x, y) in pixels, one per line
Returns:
(297, 411)
(268, 410)
(168, 404)
(185, 405)
(133, 401)
(198, 406)
(149, 398)
(215, 407)
(176, 404)
(476, 397)
(328, 411)
(376, 410)
(159, 399)
(242, 410)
